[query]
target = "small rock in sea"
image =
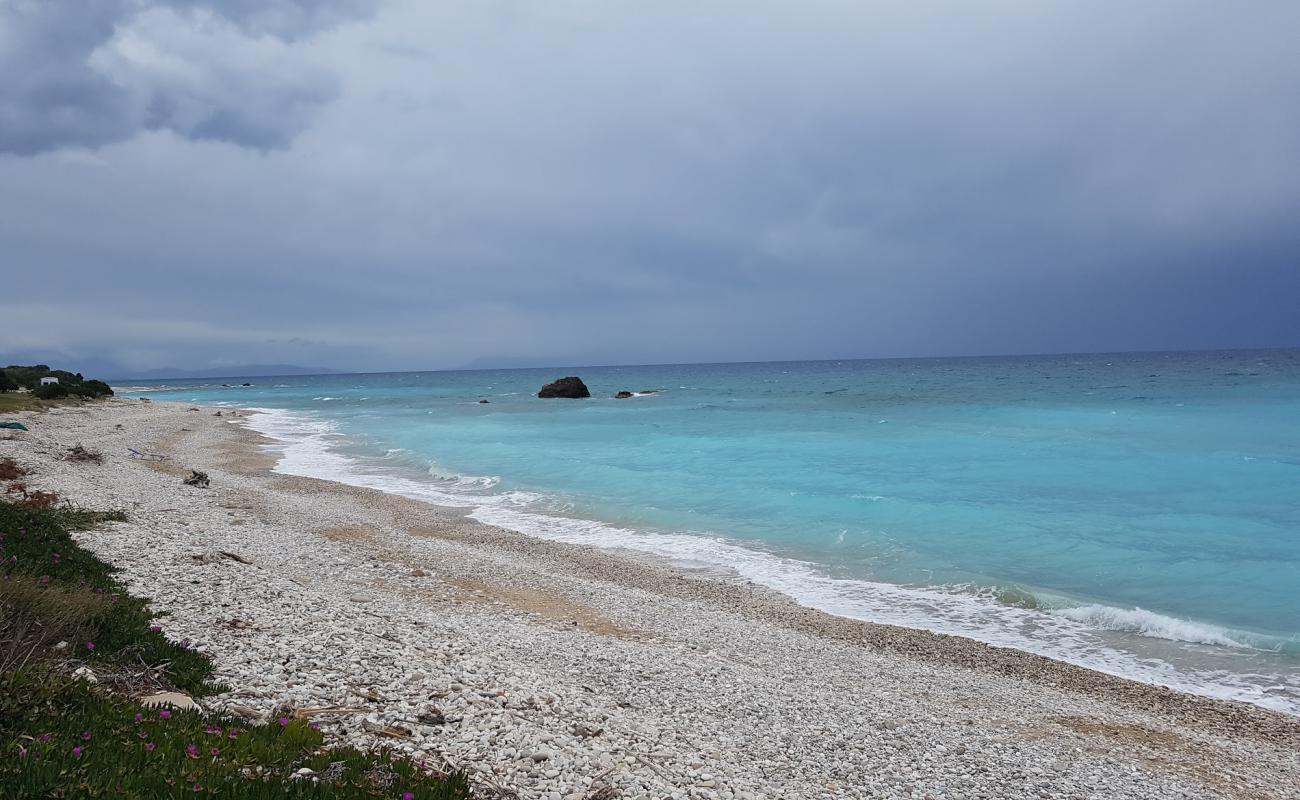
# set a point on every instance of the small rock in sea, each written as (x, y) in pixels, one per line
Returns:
(571, 387)
(623, 395)
(173, 699)
(246, 384)
(483, 402)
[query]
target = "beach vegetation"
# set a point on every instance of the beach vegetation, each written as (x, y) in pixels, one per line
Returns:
(63, 615)
(69, 383)
(7, 384)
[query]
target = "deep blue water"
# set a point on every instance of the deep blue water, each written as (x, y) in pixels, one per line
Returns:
(1139, 513)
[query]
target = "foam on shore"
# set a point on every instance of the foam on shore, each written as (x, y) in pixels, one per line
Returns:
(1104, 638)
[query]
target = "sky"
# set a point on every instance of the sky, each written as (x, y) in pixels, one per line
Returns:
(412, 184)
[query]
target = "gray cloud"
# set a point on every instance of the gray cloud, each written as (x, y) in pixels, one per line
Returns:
(434, 183)
(91, 73)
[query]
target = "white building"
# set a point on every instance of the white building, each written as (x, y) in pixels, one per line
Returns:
(48, 381)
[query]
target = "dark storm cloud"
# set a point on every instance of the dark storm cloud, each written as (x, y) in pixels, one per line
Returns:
(433, 183)
(100, 71)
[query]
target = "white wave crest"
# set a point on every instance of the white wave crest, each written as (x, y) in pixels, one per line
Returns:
(1149, 623)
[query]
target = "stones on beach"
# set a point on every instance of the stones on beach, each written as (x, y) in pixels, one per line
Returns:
(571, 388)
(197, 478)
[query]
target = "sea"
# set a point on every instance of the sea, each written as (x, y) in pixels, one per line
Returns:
(1138, 514)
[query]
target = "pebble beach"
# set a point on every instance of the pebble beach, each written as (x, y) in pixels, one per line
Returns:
(560, 672)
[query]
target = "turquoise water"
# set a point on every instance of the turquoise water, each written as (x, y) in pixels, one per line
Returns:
(1135, 513)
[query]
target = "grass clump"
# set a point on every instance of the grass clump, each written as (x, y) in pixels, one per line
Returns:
(52, 590)
(61, 606)
(75, 741)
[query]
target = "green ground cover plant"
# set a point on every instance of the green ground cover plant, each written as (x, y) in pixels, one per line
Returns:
(62, 737)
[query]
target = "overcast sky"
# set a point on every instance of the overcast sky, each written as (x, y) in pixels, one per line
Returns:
(389, 184)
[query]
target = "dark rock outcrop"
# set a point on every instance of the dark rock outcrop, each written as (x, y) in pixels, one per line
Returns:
(483, 402)
(623, 395)
(571, 387)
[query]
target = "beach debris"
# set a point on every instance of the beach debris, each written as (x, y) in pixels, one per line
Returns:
(86, 674)
(145, 456)
(431, 715)
(197, 478)
(10, 470)
(623, 395)
(217, 414)
(571, 388)
(380, 729)
(174, 699)
(13, 426)
(418, 573)
(79, 453)
(213, 556)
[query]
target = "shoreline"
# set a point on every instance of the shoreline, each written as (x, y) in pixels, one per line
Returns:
(729, 676)
(1126, 654)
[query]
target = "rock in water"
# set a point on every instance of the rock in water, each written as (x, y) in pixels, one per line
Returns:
(623, 395)
(571, 387)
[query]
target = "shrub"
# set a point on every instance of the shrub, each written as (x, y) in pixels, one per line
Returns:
(51, 391)
(7, 384)
(99, 388)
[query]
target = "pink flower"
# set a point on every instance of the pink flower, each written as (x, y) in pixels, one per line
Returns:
(76, 752)
(45, 579)
(408, 795)
(150, 746)
(86, 735)
(164, 714)
(155, 629)
(198, 788)
(192, 750)
(234, 733)
(284, 721)
(90, 646)
(139, 717)
(44, 738)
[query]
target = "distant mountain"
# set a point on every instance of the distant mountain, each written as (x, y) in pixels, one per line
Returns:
(238, 371)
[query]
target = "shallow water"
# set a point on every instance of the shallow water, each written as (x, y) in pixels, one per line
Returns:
(1135, 513)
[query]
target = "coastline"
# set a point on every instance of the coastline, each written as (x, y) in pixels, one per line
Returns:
(699, 686)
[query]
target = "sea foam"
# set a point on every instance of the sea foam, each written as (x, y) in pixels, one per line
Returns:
(309, 446)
